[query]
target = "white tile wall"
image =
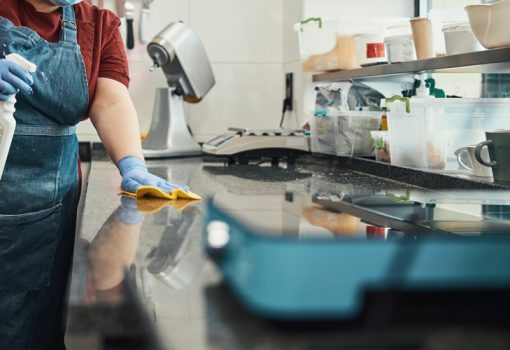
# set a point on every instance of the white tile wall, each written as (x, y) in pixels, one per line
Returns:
(368, 8)
(246, 95)
(248, 43)
(237, 31)
(252, 47)
(293, 13)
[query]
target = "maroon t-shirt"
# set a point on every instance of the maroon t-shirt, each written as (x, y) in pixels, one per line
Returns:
(98, 36)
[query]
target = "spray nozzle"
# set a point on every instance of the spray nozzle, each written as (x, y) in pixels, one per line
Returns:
(23, 62)
(424, 88)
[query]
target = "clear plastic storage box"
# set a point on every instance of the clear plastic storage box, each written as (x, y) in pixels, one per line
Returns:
(322, 130)
(344, 133)
(431, 131)
(352, 133)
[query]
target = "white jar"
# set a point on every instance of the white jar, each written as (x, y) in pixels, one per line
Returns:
(400, 48)
(370, 49)
(459, 38)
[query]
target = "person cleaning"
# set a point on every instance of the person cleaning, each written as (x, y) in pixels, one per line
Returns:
(82, 72)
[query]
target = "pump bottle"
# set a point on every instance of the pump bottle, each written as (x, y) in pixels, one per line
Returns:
(7, 121)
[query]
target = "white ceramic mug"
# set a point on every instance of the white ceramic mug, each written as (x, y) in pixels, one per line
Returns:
(478, 169)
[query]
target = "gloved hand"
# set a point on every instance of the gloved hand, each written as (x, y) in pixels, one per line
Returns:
(135, 174)
(12, 79)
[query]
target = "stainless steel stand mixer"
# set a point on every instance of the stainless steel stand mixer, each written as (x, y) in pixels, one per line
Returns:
(181, 55)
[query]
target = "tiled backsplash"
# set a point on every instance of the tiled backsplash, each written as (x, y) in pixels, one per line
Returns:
(251, 44)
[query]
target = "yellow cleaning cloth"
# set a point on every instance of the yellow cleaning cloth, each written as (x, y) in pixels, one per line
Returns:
(154, 192)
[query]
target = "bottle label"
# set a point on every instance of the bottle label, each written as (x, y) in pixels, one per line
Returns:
(376, 50)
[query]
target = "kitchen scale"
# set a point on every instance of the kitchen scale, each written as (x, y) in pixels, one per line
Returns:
(247, 144)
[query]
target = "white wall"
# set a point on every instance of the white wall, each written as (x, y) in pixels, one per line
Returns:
(368, 8)
(250, 44)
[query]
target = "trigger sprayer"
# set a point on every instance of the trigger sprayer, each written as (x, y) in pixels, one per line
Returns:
(7, 121)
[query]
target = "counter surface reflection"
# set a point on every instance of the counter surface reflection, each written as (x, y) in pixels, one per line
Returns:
(141, 274)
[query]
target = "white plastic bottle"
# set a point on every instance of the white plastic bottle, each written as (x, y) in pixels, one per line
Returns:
(7, 121)
(421, 102)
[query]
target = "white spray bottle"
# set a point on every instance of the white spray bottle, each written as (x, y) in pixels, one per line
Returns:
(7, 121)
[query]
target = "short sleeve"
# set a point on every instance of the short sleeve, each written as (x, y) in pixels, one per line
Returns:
(113, 62)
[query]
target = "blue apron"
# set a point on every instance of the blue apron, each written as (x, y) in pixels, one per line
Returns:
(39, 189)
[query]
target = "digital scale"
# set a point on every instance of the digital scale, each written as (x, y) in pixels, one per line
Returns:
(252, 144)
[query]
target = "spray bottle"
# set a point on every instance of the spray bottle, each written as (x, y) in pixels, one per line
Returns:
(433, 128)
(421, 102)
(7, 121)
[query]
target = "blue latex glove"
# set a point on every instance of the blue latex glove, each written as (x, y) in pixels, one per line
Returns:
(135, 174)
(12, 79)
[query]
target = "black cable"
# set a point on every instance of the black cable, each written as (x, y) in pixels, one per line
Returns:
(286, 104)
(417, 6)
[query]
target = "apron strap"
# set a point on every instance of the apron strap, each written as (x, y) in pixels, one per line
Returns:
(68, 31)
(44, 130)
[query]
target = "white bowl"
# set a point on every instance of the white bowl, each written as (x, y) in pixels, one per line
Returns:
(490, 23)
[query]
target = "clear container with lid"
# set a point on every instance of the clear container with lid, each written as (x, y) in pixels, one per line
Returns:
(459, 39)
(370, 49)
(399, 43)
(429, 131)
(400, 48)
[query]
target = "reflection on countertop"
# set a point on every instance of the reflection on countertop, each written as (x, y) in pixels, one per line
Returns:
(140, 271)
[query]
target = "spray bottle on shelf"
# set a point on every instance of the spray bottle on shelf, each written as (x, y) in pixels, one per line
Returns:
(7, 121)
(420, 102)
(423, 91)
(432, 125)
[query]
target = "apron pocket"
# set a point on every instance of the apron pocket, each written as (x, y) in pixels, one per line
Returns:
(28, 245)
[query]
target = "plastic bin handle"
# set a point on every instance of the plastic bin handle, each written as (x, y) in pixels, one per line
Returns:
(312, 19)
(405, 100)
(396, 198)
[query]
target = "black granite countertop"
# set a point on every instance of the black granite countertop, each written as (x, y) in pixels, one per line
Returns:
(141, 277)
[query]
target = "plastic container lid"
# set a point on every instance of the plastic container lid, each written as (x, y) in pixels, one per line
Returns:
(457, 27)
(369, 37)
(397, 39)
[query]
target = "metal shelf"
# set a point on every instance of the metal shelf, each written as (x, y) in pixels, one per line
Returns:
(489, 61)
